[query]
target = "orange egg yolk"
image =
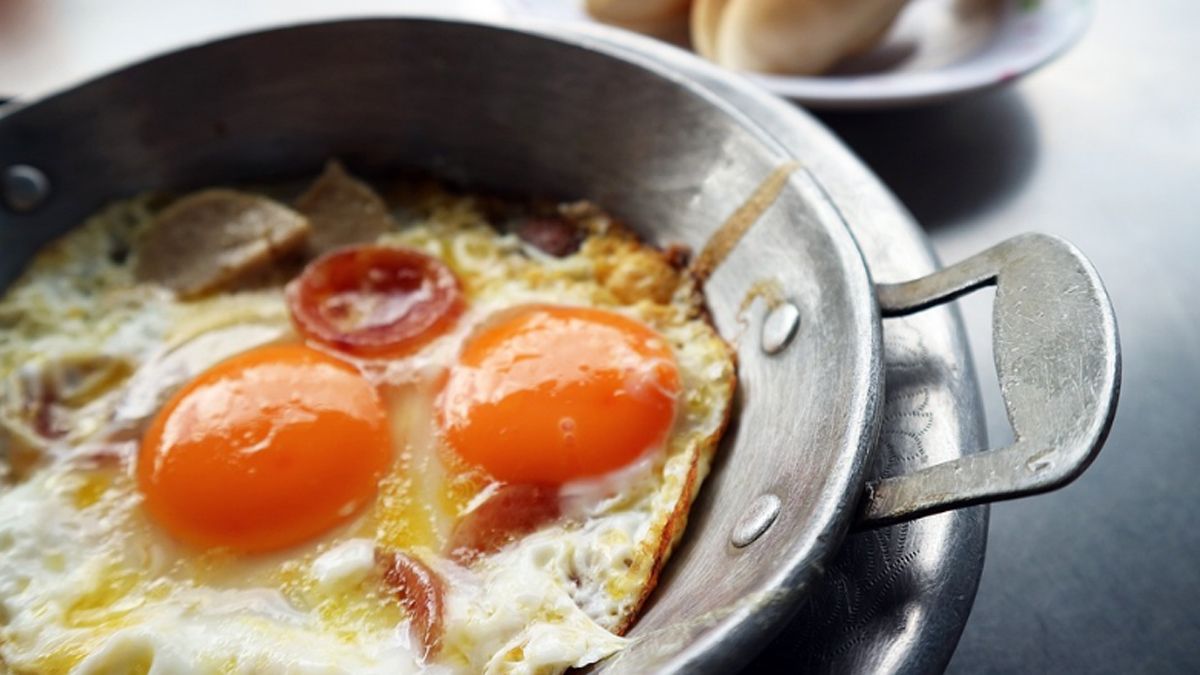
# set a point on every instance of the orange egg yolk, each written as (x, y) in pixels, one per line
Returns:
(265, 450)
(547, 395)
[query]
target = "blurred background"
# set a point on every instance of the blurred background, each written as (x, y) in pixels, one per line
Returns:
(1100, 146)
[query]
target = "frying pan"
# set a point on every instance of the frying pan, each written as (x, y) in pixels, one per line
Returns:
(525, 110)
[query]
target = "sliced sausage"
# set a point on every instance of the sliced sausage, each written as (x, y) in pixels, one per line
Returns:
(550, 234)
(420, 591)
(513, 511)
(40, 403)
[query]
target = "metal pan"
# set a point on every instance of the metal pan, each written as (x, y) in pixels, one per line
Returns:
(523, 110)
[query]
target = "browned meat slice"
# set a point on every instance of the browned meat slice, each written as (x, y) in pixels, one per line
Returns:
(212, 238)
(343, 210)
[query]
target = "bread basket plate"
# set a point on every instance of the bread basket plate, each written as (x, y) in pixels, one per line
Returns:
(937, 50)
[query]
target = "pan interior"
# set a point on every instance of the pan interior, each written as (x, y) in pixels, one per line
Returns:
(522, 112)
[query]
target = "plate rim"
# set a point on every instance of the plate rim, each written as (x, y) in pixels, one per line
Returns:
(911, 89)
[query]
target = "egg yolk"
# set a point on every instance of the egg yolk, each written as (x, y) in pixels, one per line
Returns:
(265, 450)
(546, 395)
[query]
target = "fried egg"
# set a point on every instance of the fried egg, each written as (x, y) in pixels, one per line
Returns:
(426, 431)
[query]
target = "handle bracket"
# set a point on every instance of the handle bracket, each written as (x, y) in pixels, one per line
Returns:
(1058, 359)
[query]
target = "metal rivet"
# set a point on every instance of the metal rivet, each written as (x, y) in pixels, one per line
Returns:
(24, 187)
(779, 327)
(755, 521)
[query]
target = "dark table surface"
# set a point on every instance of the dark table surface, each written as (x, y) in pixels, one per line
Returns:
(1103, 148)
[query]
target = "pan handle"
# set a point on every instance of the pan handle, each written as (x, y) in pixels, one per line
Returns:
(1059, 364)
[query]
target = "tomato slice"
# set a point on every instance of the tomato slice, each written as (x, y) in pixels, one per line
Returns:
(421, 591)
(375, 300)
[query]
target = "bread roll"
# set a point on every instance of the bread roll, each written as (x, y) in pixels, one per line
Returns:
(801, 37)
(706, 16)
(661, 18)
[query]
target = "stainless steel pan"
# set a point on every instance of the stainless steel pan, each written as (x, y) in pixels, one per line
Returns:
(527, 111)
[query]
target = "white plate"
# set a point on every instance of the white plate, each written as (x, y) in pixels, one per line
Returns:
(937, 50)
